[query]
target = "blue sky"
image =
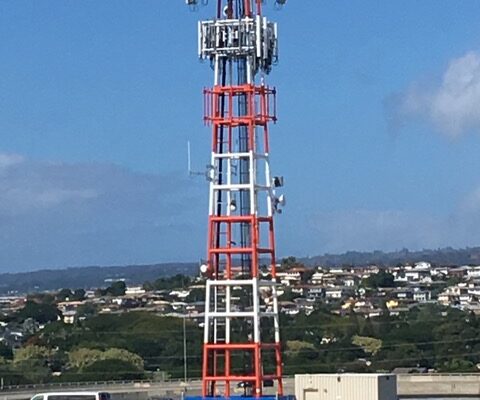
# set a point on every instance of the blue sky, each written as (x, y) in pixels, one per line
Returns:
(378, 137)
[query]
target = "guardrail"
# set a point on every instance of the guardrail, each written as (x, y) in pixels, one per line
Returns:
(53, 385)
(449, 384)
(139, 383)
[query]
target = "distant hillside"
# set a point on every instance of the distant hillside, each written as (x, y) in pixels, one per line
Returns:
(89, 277)
(445, 256)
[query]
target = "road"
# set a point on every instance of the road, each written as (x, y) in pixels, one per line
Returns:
(130, 391)
(412, 385)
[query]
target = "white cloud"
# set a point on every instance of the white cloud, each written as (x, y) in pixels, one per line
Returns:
(471, 203)
(23, 199)
(26, 186)
(387, 230)
(61, 214)
(377, 229)
(8, 160)
(451, 106)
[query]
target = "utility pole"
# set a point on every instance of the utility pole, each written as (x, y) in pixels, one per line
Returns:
(184, 352)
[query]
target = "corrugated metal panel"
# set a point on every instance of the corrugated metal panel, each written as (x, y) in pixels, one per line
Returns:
(346, 387)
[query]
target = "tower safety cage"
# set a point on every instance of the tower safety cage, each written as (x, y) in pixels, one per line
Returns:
(241, 343)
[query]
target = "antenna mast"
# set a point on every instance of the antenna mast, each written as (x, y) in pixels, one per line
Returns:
(191, 172)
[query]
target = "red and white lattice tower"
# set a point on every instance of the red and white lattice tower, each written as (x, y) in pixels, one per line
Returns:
(241, 337)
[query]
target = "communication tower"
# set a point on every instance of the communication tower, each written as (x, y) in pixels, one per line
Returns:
(241, 334)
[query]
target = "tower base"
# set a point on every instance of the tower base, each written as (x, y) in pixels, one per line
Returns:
(239, 397)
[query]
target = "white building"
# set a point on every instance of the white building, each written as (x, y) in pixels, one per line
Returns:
(134, 291)
(334, 293)
(422, 296)
(473, 271)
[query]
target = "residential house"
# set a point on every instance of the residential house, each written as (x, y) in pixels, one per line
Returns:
(134, 291)
(422, 296)
(291, 276)
(334, 293)
(316, 291)
(288, 307)
(473, 272)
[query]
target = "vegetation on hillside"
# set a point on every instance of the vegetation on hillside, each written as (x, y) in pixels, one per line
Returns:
(137, 345)
(444, 339)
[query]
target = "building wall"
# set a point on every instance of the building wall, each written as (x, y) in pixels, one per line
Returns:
(346, 387)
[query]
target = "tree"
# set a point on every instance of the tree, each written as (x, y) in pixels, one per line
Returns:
(83, 357)
(124, 355)
(40, 312)
(145, 334)
(457, 365)
(31, 353)
(307, 275)
(368, 344)
(86, 310)
(289, 262)
(78, 295)
(288, 295)
(33, 363)
(173, 282)
(45, 298)
(5, 352)
(57, 361)
(381, 279)
(117, 288)
(112, 369)
(10, 376)
(64, 295)
(111, 364)
(452, 281)
(149, 286)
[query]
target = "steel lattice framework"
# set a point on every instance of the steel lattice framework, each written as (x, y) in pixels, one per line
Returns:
(241, 333)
